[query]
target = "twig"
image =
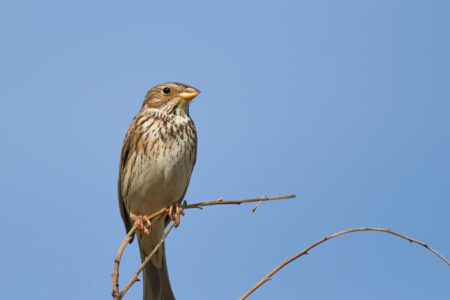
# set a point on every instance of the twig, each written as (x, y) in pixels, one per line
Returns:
(145, 262)
(256, 206)
(118, 295)
(289, 260)
(117, 262)
(220, 201)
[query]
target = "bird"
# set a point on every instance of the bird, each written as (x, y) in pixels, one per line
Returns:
(156, 162)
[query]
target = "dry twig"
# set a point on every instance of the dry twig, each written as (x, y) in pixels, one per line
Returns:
(289, 260)
(118, 295)
(147, 259)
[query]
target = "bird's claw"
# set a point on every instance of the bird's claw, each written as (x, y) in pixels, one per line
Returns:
(143, 224)
(175, 211)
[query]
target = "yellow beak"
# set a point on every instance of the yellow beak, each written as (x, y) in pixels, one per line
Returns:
(189, 93)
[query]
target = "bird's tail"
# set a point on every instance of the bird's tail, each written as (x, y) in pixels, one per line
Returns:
(156, 276)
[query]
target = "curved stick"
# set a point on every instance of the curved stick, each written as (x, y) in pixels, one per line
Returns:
(289, 260)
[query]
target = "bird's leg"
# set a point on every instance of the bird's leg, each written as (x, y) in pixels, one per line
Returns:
(175, 211)
(143, 224)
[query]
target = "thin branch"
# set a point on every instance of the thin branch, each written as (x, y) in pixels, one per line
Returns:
(238, 202)
(117, 262)
(289, 260)
(147, 259)
(118, 295)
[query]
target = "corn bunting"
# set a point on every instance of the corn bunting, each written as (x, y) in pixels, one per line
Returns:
(157, 158)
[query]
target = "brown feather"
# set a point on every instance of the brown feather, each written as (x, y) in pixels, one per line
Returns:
(158, 154)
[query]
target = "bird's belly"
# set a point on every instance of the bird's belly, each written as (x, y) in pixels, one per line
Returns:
(162, 181)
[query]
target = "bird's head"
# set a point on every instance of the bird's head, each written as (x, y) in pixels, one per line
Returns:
(171, 97)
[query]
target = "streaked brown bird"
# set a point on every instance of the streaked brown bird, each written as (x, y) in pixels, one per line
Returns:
(157, 158)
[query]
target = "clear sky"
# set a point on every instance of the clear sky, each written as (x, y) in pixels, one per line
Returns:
(344, 103)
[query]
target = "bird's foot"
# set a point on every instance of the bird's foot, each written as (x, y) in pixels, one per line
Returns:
(143, 224)
(175, 211)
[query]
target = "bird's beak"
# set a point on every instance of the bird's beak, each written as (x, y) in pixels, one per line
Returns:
(189, 93)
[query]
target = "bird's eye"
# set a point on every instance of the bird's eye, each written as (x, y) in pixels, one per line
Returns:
(166, 90)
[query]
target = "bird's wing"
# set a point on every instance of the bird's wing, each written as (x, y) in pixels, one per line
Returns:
(124, 155)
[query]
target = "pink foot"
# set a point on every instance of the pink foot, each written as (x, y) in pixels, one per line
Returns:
(143, 224)
(175, 211)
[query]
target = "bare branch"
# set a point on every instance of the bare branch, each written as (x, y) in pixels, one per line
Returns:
(220, 201)
(117, 262)
(289, 260)
(147, 259)
(118, 295)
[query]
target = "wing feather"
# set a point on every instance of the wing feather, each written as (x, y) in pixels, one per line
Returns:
(124, 155)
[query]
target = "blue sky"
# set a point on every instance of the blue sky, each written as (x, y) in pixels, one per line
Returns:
(344, 103)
